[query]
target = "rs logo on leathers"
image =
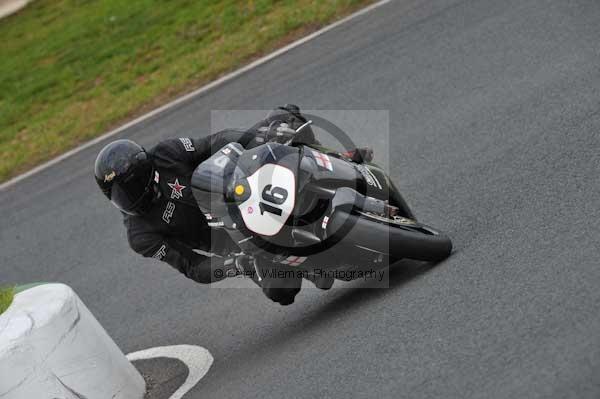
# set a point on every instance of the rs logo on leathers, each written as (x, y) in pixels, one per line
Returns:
(168, 213)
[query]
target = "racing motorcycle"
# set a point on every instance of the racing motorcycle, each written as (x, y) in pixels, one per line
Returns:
(290, 204)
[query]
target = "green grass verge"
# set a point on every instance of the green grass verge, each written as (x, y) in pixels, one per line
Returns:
(71, 69)
(6, 297)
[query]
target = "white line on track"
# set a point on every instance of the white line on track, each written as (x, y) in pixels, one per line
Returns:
(197, 359)
(194, 93)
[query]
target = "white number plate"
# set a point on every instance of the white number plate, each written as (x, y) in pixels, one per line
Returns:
(272, 199)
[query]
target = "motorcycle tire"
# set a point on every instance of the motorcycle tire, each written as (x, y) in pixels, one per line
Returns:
(394, 237)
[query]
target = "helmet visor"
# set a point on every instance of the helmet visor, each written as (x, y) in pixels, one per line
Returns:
(132, 193)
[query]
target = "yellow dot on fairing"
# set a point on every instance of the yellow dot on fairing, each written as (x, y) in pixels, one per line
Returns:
(239, 189)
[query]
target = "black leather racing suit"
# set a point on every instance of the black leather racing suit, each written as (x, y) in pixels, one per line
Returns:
(175, 226)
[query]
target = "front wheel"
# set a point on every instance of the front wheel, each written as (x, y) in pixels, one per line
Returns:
(396, 237)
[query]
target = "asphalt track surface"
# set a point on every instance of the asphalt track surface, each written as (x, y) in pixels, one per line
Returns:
(495, 121)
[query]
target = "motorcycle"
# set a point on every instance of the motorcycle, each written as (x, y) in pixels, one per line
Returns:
(294, 205)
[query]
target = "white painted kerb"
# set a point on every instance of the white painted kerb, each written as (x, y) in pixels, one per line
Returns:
(8, 7)
(51, 346)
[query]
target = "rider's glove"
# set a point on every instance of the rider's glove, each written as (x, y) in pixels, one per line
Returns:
(296, 117)
(284, 130)
(236, 265)
(231, 267)
(245, 264)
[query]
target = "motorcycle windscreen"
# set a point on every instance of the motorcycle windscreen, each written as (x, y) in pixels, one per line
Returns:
(211, 178)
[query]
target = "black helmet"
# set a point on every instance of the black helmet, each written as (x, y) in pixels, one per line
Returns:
(125, 174)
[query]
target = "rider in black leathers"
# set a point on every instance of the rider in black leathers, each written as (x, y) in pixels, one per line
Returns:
(152, 189)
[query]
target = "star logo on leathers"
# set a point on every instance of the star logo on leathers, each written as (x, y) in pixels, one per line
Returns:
(177, 188)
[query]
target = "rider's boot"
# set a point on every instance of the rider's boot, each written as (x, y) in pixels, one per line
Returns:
(321, 282)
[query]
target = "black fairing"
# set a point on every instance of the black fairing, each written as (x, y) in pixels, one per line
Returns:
(367, 179)
(214, 182)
